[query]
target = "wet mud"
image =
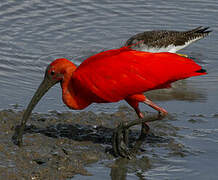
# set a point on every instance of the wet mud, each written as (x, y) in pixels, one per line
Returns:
(61, 145)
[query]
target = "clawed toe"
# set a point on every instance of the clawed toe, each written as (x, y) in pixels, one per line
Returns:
(120, 140)
(162, 114)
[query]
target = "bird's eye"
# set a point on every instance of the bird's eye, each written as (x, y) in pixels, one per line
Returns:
(52, 72)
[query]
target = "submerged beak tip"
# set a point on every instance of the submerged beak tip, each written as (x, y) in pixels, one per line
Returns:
(17, 138)
(18, 134)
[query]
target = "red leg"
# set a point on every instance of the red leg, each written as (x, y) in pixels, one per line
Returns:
(135, 104)
(135, 99)
(120, 135)
(162, 111)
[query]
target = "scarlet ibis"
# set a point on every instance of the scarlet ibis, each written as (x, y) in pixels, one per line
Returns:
(166, 41)
(111, 76)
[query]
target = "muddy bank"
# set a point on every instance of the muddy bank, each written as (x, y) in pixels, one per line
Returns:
(61, 145)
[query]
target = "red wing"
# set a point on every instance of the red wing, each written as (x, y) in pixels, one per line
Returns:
(116, 74)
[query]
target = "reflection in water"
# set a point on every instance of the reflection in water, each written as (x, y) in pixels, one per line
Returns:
(181, 90)
(33, 33)
(119, 169)
(47, 141)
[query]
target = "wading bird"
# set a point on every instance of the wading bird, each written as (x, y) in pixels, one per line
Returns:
(111, 76)
(166, 41)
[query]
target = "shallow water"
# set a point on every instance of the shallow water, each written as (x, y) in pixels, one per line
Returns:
(34, 33)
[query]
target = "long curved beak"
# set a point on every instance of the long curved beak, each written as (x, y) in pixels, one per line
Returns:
(42, 89)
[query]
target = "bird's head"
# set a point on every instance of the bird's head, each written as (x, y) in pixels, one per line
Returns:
(57, 69)
(55, 72)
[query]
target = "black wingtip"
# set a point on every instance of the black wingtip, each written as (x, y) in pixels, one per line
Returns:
(201, 71)
(204, 30)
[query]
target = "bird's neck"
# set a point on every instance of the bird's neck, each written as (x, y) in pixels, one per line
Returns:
(71, 97)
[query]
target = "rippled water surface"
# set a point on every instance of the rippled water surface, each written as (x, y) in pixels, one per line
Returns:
(34, 33)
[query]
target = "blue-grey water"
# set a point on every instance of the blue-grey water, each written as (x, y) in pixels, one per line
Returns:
(33, 33)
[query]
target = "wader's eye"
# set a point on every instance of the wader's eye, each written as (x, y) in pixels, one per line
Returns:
(52, 73)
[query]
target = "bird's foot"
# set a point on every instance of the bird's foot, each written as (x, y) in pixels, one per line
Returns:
(120, 141)
(120, 137)
(162, 113)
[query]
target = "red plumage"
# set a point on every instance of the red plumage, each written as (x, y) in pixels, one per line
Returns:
(111, 76)
(117, 74)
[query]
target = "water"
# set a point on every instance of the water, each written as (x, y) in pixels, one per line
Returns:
(34, 33)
